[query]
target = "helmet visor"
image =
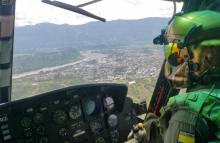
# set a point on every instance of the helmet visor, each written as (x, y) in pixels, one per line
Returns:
(173, 54)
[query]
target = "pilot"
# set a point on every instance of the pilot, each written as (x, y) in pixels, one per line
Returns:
(192, 63)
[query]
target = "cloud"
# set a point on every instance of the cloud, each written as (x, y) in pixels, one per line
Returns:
(30, 12)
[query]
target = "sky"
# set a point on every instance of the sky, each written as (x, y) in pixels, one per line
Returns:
(31, 12)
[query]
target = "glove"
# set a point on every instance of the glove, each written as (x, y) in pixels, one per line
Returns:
(147, 132)
(138, 134)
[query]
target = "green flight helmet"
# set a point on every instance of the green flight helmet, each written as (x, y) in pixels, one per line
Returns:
(193, 52)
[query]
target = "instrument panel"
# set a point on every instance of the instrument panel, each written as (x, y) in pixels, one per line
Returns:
(91, 113)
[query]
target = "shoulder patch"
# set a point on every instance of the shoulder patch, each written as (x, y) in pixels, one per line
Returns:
(185, 137)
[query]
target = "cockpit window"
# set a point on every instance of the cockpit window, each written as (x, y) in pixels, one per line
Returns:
(55, 48)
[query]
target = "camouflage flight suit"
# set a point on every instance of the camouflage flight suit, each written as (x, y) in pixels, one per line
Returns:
(192, 117)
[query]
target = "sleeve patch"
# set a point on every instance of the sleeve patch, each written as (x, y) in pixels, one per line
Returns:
(185, 137)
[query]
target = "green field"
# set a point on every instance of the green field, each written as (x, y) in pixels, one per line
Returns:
(139, 91)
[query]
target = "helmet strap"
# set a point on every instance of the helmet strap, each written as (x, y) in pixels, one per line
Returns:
(205, 78)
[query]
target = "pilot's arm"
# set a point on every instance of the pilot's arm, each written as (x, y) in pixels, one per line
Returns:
(185, 119)
(149, 131)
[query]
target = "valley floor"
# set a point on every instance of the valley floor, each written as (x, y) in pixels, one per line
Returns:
(136, 67)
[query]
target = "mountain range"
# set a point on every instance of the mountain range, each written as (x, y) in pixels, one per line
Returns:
(87, 36)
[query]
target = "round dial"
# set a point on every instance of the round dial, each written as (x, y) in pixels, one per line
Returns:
(112, 120)
(63, 132)
(95, 126)
(109, 103)
(89, 106)
(25, 122)
(59, 117)
(38, 118)
(100, 140)
(75, 112)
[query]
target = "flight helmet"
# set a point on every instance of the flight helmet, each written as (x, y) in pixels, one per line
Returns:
(193, 49)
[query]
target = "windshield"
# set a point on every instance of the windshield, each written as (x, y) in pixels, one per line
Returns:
(55, 48)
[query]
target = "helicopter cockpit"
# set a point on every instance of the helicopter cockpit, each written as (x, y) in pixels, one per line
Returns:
(97, 112)
(90, 113)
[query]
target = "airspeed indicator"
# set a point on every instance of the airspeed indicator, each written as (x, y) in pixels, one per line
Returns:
(75, 112)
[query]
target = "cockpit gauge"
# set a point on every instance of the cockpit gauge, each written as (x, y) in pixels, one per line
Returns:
(100, 140)
(38, 118)
(109, 103)
(89, 106)
(95, 126)
(63, 132)
(25, 122)
(112, 120)
(59, 117)
(75, 112)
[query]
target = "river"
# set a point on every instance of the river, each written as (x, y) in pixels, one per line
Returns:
(88, 56)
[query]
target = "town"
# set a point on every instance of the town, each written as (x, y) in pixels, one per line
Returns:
(122, 65)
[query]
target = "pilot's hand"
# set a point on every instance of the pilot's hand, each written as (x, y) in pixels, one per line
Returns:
(147, 132)
(140, 134)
